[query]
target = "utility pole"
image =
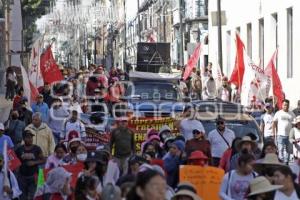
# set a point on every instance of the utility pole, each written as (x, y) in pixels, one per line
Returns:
(220, 36)
(125, 37)
(7, 33)
(181, 55)
(139, 20)
(95, 46)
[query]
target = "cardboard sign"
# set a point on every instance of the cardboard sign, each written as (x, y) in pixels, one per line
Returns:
(207, 180)
(142, 125)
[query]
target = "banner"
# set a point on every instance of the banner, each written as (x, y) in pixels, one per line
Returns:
(142, 125)
(13, 160)
(95, 137)
(207, 180)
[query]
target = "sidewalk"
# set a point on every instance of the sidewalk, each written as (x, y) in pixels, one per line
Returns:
(5, 107)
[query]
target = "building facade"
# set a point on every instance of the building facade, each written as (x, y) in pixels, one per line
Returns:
(263, 26)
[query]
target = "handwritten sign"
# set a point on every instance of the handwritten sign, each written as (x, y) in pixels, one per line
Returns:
(142, 125)
(207, 180)
(94, 138)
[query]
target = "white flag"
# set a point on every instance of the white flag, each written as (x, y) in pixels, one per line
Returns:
(256, 84)
(35, 75)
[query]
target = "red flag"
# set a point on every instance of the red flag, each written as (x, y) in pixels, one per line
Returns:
(49, 68)
(13, 160)
(276, 83)
(192, 62)
(239, 68)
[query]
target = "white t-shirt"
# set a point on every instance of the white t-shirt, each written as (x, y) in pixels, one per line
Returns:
(188, 125)
(218, 145)
(267, 120)
(284, 120)
(280, 196)
(76, 126)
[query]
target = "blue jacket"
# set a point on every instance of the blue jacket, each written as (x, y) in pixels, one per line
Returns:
(42, 108)
(171, 165)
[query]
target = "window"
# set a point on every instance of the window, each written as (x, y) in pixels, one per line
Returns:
(261, 42)
(290, 42)
(274, 26)
(249, 40)
(228, 50)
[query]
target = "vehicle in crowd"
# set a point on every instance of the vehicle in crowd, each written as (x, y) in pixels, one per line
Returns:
(236, 118)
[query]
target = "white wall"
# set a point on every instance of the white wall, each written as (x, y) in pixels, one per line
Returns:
(241, 12)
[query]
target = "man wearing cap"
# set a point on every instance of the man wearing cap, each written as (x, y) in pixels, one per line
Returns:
(220, 140)
(3, 138)
(31, 156)
(42, 134)
(190, 123)
(41, 107)
(282, 125)
(266, 122)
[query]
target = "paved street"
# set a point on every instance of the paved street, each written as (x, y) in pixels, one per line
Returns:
(5, 107)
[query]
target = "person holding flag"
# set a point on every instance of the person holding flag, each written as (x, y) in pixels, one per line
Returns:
(9, 188)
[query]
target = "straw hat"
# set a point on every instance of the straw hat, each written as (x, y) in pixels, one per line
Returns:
(270, 159)
(296, 120)
(186, 189)
(261, 185)
(246, 139)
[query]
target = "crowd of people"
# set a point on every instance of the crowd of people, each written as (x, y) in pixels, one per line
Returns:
(42, 140)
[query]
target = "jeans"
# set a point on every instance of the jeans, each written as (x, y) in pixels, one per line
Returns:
(284, 148)
(27, 185)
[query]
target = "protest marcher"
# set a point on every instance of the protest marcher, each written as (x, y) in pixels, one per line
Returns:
(224, 92)
(31, 156)
(220, 140)
(41, 107)
(56, 187)
(73, 142)
(199, 142)
(294, 137)
(42, 134)
(296, 111)
(190, 123)
(282, 125)
(290, 190)
(86, 188)
(266, 122)
(172, 160)
(46, 92)
(186, 191)
(262, 189)
(55, 160)
(25, 112)
(149, 185)
(15, 128)
(73, 124)
(122, 140)
(4, 137)
(229, 153)
(269, 147)
(18, 99)
(164, 133)
(236, 182)
(12, 189)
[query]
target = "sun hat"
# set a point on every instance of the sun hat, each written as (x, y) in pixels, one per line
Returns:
(261, 185)
(197, 155)
(246, 139)
(269, 159)
(186, 189)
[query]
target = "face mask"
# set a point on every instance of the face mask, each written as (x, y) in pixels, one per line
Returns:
(81, 157)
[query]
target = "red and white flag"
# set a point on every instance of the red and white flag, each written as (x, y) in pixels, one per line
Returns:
(192, 62)
(34, 71)
(30, 90)
(271, 72)
(49, 69)
(254, 85)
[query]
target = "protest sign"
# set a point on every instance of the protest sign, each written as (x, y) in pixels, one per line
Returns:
(207, 180)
